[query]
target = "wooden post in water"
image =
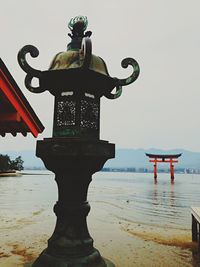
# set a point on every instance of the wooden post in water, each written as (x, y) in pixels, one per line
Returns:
(195, 212)
(194, 229)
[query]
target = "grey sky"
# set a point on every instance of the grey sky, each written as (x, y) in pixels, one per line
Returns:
(161, 109)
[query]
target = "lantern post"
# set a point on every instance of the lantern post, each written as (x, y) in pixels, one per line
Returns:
(77, 79)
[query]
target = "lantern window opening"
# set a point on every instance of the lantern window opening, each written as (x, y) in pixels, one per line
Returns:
(65, 113)
(89, 95)
(89, 114)
(69, 93)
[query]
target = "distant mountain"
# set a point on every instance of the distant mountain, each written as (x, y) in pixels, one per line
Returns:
(124, 158)
(137, 158)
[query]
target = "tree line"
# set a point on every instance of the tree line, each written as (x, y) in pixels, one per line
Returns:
(6, 164)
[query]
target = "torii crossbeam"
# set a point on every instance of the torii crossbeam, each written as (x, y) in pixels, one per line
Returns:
(168, 158)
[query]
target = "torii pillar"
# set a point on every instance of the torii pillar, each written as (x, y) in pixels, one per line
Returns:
(155, 169)
(172, 168)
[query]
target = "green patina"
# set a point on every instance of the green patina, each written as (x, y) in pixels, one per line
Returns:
(78, 20)
(129, 80)
(66, 132)
(77, 132)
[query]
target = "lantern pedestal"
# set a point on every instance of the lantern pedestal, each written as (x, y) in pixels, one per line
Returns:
(73, 161)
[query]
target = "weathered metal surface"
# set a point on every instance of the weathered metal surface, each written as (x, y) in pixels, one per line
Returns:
(73, 161)
(76, 116)
(77, 79)
(86, 52)
(123, 82)
(31, 72)
(60, 264)
(74, 147)
(75, 59)
(77, 26)
(89, 81)
(78, 58)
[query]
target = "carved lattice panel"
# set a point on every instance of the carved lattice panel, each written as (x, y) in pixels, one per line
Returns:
(89, 114)
(65, 113)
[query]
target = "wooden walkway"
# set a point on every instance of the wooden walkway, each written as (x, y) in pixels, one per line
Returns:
(195, 211)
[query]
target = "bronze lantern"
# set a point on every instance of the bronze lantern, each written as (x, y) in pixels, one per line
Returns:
(77, 79)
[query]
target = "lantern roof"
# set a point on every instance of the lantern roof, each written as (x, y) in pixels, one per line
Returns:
(76, 68)
(16, 114)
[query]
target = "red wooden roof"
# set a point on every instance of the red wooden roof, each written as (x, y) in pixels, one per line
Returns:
(162, 156)
(16, 114)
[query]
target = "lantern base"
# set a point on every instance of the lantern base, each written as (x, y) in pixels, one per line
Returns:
(73, 161)
(93, 260)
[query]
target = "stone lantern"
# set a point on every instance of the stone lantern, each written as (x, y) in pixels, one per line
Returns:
(77, 79)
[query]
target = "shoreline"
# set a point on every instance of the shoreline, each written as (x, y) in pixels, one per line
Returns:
(10, 173)
(124, 243)
(132, 221)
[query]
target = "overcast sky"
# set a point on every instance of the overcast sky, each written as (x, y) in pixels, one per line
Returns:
(161, 109)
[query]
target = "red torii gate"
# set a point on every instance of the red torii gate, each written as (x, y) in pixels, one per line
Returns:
(169, 158)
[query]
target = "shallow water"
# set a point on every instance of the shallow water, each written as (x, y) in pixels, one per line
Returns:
(137, 198)
(132, 196)
(141, 216)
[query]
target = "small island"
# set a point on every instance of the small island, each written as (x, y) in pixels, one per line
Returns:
(10, 167)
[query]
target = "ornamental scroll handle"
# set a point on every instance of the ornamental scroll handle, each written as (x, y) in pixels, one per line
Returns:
(86, 52)
(85, 55)
(123, 82)
(31, 72)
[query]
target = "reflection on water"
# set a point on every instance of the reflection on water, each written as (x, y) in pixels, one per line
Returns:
(162, 203)
(134, 197)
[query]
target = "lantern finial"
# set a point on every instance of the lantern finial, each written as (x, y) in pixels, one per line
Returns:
(77, 26)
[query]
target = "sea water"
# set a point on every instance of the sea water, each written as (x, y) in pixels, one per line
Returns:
(132, 196)
(143, 199)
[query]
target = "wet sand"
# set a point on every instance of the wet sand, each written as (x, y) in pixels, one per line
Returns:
(125, 243)
(27, 221)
